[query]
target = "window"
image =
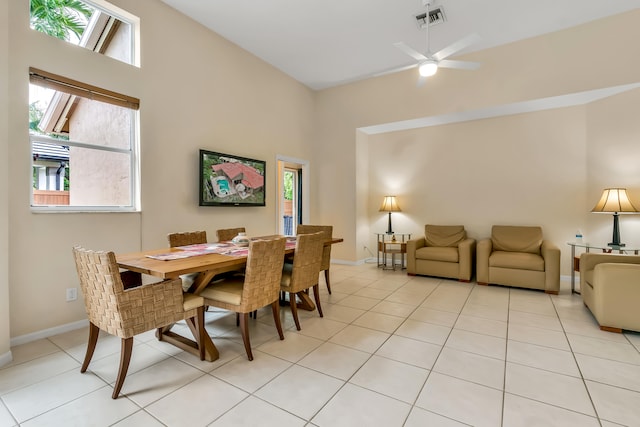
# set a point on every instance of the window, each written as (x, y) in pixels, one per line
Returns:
(95, 25)
(83, 145)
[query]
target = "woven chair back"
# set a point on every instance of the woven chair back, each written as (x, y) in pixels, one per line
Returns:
(226, 234)
(263, 273)
(327, 231)
(187, 238)
(306, 261)
(120, 312)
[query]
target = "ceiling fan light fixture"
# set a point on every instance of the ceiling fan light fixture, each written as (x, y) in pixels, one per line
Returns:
(428, 68)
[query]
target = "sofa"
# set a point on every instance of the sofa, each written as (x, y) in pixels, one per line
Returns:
(610, 287)
(518, 256)
(443, 251)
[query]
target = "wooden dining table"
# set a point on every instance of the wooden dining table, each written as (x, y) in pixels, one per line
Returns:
(168, 263)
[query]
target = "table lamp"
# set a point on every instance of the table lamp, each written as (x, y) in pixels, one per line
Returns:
(389, 204)
(615, 201)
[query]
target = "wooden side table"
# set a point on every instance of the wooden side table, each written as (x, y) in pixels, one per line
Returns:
(392, 244)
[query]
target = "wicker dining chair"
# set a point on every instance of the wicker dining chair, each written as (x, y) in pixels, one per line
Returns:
(304, 272)
(226, 234)
(187, 238)
(259, 287)
(326, 250)
(128, 312)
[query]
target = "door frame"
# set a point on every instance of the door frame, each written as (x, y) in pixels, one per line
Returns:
(294, 163)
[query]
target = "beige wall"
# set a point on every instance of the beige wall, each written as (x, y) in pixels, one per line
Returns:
(5, 354)
(555, 64)
(197, 90)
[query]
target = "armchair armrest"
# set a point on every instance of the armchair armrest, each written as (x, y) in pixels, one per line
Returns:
(484, 249)
(551, 255)
(588, 261)
(412, 246)
(466, 254)
(616, 295)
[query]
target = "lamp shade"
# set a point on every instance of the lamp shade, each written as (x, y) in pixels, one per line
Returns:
(390, 204)
(614, 200)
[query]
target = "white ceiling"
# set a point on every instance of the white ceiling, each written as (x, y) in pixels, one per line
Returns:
(331, 42)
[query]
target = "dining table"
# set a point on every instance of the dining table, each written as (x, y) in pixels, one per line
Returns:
(206, 260)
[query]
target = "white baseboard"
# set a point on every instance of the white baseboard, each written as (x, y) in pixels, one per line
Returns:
(6, 358)
(46, 333)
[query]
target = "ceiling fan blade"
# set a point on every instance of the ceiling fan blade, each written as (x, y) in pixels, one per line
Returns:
(456, 47)
(462, 65)
(395, 70)
(409, 51)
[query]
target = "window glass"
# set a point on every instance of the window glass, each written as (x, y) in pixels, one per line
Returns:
(85, 24)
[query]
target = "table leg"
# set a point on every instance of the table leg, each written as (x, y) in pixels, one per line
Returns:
(573, 270)
(167, 335)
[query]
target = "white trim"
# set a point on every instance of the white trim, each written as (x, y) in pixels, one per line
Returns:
(46, 333)
(304, 165)
(6, 358)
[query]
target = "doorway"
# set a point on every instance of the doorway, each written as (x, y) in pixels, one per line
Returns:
(293, 197)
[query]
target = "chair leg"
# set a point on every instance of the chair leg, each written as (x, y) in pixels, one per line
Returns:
(316, 296)
(244, 330)
(125, 358)
(294, 309)
(237, 319)
(275, 308)
(94, 331)
(326, 278)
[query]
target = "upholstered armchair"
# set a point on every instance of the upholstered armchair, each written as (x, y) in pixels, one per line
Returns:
(610, 287)
(518, 256)
(443, 251)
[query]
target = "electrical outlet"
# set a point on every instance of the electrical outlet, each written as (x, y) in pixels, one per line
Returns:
(72, 294)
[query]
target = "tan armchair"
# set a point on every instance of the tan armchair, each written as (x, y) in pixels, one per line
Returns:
(444, 251)
(610, 287)
(518, 256)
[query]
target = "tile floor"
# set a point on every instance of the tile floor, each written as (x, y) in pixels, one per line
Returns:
(392, 350)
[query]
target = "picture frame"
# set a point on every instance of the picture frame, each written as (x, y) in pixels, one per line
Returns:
(230, 180)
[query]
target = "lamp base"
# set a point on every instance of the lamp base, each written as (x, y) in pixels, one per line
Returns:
(616, 245)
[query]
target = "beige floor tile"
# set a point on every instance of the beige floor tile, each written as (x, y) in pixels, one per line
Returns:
(471, 367)
(139, 419)
(605, 349)
(359, 338)
(421, 418)
(486, 312)
(256, 412)
(341, 313)
(438, 317)
(142, 356)
(50, 393)
(335, 360)
(379, 321)
(522, 412)
(374, 293)
(362, 303)
(591, 329)
(407, 350)
(408, 298)
(549, 359)
(427, 332)
(200, 402)
(30, 351)
(227, 349)
(548, 387)
(461, 400)
(300, 390)
(615, 404)
(36, 370)
(472, 342)
(97, 406)
(320, 328)
(251, 375)
(6, 419)
(610, 372)
(541, 305)
(393, 308)
(391, 378)
(353, 405)
(293, 348)
(535, 320)
(538, 336)
(495, 328)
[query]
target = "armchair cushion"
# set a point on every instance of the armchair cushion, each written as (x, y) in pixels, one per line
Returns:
(516, 238)
(444, 235)
(438, 254)
(519, 260)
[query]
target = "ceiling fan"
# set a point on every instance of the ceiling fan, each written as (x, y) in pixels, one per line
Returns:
(428, 63)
